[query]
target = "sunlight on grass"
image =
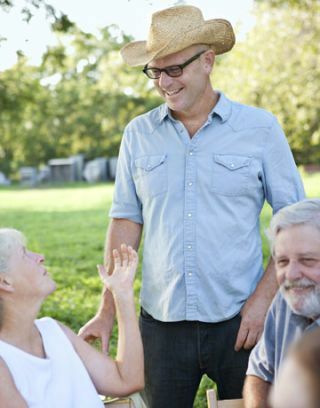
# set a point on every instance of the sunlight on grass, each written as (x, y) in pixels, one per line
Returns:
(57, 199)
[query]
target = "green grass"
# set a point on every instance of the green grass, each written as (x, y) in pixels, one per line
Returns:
(68, 224)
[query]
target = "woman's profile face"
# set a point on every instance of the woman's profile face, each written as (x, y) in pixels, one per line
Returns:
(29, 273)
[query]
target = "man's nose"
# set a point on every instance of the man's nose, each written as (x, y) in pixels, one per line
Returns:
(293, 271)
(39, 257)
(164, 79)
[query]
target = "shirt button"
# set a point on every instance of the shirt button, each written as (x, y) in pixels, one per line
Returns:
(190, 274)
(189, 247)
(190, 184)
(232, 165)
(189, 215)
(190, 153)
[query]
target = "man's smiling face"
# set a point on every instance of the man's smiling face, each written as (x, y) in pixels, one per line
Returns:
(183, 93)
(297, 260)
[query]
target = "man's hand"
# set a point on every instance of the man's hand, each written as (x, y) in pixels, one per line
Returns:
(253, 312)
(98, 328)
(253, 315)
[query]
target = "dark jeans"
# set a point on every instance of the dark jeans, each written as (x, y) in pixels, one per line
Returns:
(177, 354)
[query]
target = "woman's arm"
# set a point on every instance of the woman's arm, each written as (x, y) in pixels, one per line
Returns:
(9, 395)
(125, 374)
(100, 326)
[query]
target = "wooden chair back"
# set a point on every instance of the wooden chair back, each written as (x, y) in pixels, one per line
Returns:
(119, 403)
(132, 401)
(213, 402)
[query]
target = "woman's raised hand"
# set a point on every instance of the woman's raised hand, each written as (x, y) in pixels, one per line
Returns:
(125, 266)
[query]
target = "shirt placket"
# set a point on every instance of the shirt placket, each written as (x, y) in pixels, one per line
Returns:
(189, 241)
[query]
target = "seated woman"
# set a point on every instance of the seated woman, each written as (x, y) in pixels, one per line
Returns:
(298, 383)
(43, 363)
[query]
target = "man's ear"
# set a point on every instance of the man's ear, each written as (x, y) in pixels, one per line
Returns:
(6, 283)
(209, 58)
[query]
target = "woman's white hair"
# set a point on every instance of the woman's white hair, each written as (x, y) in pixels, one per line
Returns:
(10, 239)
(305, 212)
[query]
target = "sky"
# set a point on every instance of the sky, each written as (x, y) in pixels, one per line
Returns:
(131, 16)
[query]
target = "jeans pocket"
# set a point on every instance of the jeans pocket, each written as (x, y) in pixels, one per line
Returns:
(230, 174)
(146, 316)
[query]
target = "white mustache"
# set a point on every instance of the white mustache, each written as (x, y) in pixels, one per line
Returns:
(299, 283)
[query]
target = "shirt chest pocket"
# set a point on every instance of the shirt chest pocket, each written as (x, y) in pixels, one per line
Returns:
(230, 174)
(151, 175)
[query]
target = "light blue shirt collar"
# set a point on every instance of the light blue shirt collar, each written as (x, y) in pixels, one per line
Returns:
(223, 109)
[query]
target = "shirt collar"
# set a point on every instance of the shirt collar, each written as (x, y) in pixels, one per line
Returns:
(164, 112)
(316, 321)
(309, 324)
(222, 109)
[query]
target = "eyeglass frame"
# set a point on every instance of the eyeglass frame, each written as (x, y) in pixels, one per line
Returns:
(180, 66)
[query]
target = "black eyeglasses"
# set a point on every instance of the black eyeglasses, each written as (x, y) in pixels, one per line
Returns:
(172, 71)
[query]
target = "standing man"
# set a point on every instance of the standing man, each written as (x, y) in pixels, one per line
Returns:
(193, 174)
(295, 243)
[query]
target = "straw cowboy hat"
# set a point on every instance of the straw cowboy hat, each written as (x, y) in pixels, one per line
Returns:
(176, 28)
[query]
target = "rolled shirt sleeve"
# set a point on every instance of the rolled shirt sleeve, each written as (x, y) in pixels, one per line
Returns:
(126, 203)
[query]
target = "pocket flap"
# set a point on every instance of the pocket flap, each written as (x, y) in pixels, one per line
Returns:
(148, 163)
(231, 162)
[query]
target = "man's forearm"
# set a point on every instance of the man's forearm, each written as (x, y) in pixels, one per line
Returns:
(255, 392)
(254, 310)
(268, 286)
(106, 307)
(121, 231)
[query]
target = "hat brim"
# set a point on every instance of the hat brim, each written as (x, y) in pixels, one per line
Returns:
(217, 33)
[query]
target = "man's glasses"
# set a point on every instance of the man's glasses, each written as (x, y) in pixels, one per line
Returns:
(172, 71)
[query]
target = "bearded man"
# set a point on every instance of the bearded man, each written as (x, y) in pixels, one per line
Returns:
(295, 243)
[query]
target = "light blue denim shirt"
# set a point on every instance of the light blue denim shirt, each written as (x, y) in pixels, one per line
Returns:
(199, 201)
(282, 327)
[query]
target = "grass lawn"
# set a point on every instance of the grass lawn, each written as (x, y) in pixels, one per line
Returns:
(68, 225)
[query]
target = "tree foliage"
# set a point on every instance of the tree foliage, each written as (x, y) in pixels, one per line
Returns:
(78, 101)
(278, 68)
(27, 8)
(301, 4)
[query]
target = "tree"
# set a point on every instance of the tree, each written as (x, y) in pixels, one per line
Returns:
(278, 68)
(20, 117)
(78, 101)
(59, 20)
(301, 4)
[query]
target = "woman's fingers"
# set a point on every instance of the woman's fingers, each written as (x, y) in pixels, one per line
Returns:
(124, 255)
(127, 258)
(130, 255)
(116, 258)
(133, 257)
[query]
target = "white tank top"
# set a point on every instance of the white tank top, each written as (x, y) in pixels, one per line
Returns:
(58, 381)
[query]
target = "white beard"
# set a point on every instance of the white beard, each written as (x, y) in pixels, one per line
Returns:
(305, 304)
